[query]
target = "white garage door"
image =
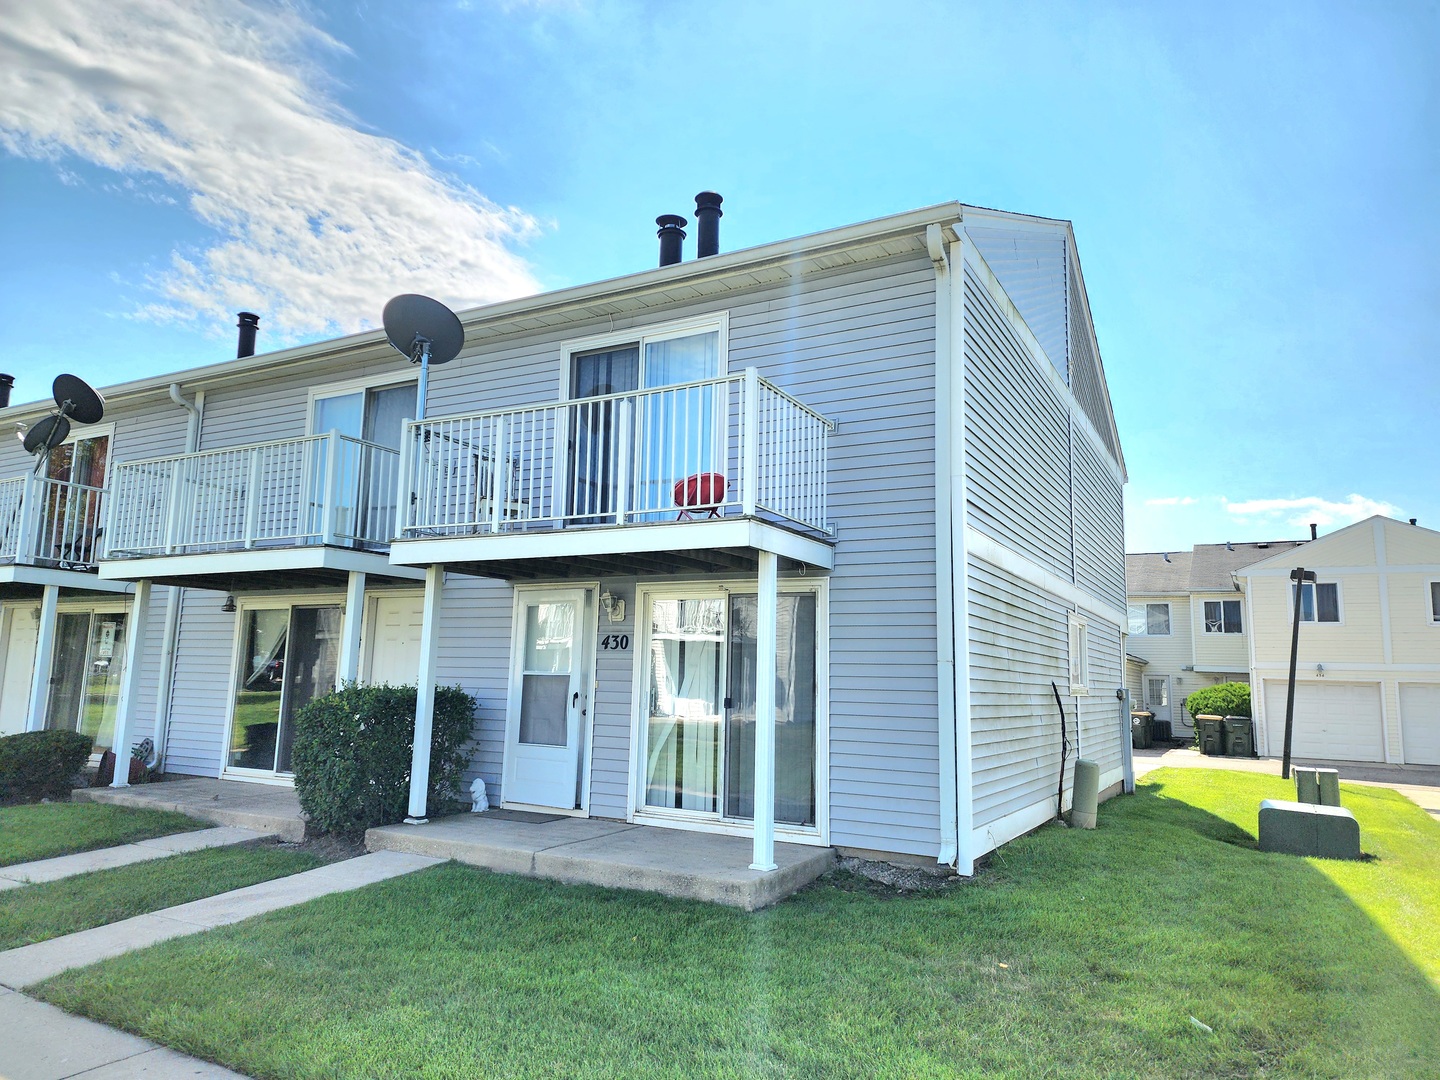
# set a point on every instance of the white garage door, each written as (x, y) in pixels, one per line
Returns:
(395, 640)
(1333, 721)
(1420, 721)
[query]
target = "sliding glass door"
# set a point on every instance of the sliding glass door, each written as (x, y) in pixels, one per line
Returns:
(86, 673)
(698, 753)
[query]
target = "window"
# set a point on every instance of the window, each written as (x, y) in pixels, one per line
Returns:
(1320, 602)
(1435, 603)
(1149, 620)
(1222, 617)
(1079, 655)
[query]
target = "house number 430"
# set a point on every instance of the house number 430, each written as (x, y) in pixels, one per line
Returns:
(619, 642)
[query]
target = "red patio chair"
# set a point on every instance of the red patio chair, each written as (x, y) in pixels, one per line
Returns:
(702, 491)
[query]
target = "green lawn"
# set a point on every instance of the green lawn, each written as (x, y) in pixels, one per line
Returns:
(45, 830)
(48, 910)
(1075, 954)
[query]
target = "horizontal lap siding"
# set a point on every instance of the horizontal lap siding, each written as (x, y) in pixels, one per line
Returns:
(201, 693)
(1099, 525)
(1018, 646)
(610, 708)
(1099, 711)
(1016, 440)
(474, 654)
(1031, 269)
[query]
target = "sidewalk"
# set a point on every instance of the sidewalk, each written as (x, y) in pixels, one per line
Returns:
(1419, 783)
(158, 847)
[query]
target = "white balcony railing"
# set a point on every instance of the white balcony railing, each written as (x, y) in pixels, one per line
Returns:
(322, 489)
(50, 522)
(735, 445)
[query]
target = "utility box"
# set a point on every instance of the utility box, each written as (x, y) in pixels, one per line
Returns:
(1327, 781)
(1239, 736)
(1142, 729)
(1307, 787)
(1212, 735)
(1322, 832)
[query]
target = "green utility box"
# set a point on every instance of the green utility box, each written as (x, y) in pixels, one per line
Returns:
(1307, 787)
(1212, 735)
(1294, 828)
(1239, 736)
(1142, 729)
(1328, 783)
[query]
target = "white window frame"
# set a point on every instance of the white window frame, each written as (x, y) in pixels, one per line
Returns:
(1145, 617)
(1339, 603)
(640, 336)
(1222, 632)
(355, 386)
(635, 810)
(1432, 601)
(1079, 655)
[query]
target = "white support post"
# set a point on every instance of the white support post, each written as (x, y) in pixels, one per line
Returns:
(497, 457)
(625, 463)
(28, 521)
(405, 485)
(750, 444)
(129, 681)
(328, 508)
(425, 694)
(767, 605)
(44, 661)
(252, 499)
(172, 506)
(348, 670)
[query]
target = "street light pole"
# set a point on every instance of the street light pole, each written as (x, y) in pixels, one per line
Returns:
(1299, 576)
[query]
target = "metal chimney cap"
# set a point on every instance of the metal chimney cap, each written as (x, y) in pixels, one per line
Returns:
(709, 200)
(670, 221)
(248, 318)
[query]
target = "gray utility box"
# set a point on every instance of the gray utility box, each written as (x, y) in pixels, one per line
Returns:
(1320, 786)
(1294, 828)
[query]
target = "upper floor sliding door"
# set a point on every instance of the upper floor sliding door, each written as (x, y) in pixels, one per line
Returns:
(638, 424)
(364, 491)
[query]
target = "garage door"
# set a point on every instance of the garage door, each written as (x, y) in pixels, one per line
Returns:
(1333, 721)
(1420, 721)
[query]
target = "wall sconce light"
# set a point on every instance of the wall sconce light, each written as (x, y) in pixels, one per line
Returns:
(229, 604)
(1320, 671)
(613, 608)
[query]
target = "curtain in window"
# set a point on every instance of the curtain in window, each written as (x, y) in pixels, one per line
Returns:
(1157, 620)
(682, 748)
(1327, 602)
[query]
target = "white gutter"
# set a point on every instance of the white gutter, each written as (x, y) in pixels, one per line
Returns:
(171, 635)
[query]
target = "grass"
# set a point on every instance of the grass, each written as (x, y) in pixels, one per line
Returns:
(38, 912)
(1075, 954)
(45, 830)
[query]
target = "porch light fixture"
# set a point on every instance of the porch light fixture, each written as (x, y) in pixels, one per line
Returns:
(1320, 670)
(229, 604)
(613, 608)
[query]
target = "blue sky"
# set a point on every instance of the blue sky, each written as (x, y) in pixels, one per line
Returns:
(1253, 188)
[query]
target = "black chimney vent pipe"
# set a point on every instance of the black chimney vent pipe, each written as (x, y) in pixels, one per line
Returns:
(7, 383)
(249, 323)
(1314, 531)
(672, 236)
(707, 224)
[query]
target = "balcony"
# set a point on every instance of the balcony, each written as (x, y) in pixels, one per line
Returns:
(303, 511)
(694, 476)
(50, 532)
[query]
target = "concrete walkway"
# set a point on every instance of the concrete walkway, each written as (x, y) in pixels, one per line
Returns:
(84, 862)
(43, 1043)
(267, 808)
(33, 963)
(1419, 783)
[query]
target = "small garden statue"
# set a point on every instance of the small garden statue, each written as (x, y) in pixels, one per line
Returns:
(480, 802)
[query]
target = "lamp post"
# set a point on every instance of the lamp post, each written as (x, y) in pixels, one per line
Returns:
(1299, 576)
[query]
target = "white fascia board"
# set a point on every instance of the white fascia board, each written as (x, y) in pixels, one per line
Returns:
(65, 579)
(616, 540)
(657, 279)
(256, 562)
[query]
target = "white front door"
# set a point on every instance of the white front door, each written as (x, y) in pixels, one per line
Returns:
(549, 697)
(1157, 696)
(394, 651)
(21, 629)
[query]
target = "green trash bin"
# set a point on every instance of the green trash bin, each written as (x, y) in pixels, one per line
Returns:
(1239, 734)
(1212, 734)
(1142, 729)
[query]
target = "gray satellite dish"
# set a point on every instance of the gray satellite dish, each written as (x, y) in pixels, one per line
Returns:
(46, 434)
(75, 397)
(426, 332)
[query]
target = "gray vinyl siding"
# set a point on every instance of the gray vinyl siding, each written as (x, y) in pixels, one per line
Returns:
(1031, 267)
(1099, 524)
(1099, 711)
(1017, 433)
(1086, 380)
(201, 693)
(474, 654)
(1019, 645)
(610, 705)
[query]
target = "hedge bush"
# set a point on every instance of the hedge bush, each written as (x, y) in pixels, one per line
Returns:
(352, 748)
(1222, 699)
(38, 765)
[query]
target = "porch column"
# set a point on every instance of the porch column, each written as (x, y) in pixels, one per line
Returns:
(348, 669)
(766, 605)
(125, 709)
(44, 661)
(425, 694)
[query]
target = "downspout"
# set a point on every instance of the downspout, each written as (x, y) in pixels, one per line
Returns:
(170, 636)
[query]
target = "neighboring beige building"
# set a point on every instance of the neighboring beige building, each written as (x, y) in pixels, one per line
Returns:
(1188, 624)
(1368, 677)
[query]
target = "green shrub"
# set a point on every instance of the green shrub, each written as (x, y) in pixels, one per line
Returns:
(351, 755)
(1222, 699)
(38, 765)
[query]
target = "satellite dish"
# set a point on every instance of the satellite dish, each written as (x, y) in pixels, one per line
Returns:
(425, 331)
(76, 398)
(46, 434)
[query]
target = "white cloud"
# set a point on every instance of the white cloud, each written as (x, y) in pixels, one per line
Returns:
(1311, 508)
(319, 223)
(1173, 500)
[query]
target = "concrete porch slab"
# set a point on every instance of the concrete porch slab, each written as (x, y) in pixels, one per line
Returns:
(264, 808)
(601, 851)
